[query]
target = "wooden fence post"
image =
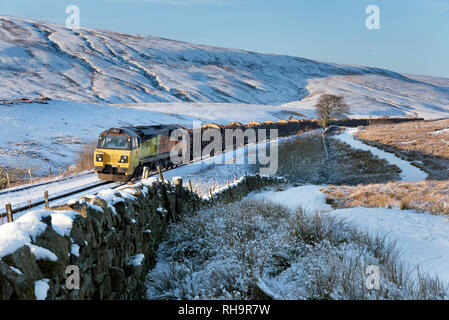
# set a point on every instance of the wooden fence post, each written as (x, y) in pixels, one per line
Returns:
(9, 213)
(165, 195)
(7, 179)
(179, 196)
(191, 190)
(31, 178)
(46, 199)
(178, 182)
(145, 173)
(160, 174)
(49, 171)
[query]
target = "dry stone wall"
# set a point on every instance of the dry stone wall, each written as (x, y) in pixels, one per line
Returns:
(112, 242)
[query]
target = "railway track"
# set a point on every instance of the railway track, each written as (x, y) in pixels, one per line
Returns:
(40, 184)
(22, 207)
(51, 199)
(79, 191)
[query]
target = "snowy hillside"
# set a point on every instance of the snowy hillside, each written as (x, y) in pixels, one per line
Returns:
(46, 59)
(99, 79)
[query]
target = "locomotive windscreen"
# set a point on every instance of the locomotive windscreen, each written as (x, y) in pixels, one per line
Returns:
(113, 142)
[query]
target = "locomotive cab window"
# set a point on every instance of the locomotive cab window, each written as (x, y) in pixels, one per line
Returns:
(113, 142)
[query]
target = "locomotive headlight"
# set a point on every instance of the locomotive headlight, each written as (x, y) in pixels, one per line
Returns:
(99, 158)
(124, 159)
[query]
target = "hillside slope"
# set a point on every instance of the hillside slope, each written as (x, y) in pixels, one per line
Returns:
(96, 66)
(98, 79)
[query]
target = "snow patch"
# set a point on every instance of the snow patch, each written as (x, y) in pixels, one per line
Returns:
(42, 253)
(41, 289)
(16, 270)
(422, 237)
(75, 250)
(309, 198)
(440, 131)
(62, 222)
(136, 260)
(24, 231)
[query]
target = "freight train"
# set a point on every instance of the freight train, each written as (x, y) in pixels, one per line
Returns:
(122, 153)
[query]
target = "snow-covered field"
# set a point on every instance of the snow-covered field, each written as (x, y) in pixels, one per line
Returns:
(423, 237)
(35, 193)
(226, 251)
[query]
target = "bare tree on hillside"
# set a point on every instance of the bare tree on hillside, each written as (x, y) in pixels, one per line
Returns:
(330, 107)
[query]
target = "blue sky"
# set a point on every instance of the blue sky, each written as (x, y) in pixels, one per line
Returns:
(413, 38)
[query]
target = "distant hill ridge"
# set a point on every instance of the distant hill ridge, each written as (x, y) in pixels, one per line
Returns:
(40, 59)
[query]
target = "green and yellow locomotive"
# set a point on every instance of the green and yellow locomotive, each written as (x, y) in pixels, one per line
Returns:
(122, 153)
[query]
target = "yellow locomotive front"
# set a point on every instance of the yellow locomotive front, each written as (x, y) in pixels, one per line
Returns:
(122, 152)
(116, 155)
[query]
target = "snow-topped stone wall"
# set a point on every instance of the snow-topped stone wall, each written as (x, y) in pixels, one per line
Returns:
(99, 247)
(110, 238)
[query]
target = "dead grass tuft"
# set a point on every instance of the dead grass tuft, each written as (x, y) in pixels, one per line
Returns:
(16, 177)
(85, 159)
(422, 196)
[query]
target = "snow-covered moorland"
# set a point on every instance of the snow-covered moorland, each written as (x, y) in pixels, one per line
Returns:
(89, 65)
(98, 79)
(60, 88)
